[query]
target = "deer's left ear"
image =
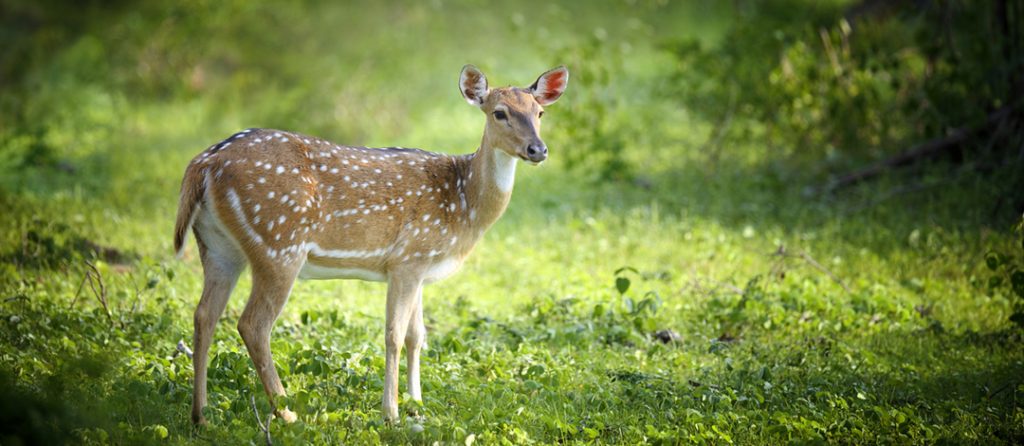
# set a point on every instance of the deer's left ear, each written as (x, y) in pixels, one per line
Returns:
(550, 85)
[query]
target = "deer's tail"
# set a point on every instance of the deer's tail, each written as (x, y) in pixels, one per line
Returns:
(193, 186)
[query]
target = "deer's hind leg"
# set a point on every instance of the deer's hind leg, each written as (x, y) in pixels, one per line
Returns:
(222, 263)
(271, 286)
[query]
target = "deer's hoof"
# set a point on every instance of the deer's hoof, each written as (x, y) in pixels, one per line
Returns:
(286, 415)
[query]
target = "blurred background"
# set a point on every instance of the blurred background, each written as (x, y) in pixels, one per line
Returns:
(797, 92)
(818, 202)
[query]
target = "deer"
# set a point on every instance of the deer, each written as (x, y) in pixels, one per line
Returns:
(292, 206)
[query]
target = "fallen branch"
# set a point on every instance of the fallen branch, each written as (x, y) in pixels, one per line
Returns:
(927, 149)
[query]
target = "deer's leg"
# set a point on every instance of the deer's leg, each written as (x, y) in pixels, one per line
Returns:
(270, 289)
(221, 267)
(414, 339)
(403, 290)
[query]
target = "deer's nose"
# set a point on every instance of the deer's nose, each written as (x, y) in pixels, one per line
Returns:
(537, 152)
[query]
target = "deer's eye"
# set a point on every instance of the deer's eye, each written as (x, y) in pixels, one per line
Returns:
(541, 114)
(500, 115)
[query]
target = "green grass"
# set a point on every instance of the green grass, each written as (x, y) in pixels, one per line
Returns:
(534, 341)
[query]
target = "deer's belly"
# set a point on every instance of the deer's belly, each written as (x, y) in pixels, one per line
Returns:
(441, 269)
(313, 271)
(316, 269)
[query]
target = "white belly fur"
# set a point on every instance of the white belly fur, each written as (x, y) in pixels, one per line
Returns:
(311, 271)
(441, 270)
(435, 272)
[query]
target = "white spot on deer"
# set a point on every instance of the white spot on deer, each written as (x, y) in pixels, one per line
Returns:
(280, 170)
(426, 217)
(270, 194)
(256, 208)
(295, 170)
(261, 180)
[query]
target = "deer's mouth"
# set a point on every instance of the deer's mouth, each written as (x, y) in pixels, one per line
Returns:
(529, 161)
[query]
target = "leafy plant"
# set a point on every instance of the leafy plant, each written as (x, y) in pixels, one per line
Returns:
(1006, 274)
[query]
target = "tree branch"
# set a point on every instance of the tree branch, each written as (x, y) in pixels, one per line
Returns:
(927, 149)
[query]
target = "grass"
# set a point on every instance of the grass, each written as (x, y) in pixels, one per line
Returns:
(876, 323)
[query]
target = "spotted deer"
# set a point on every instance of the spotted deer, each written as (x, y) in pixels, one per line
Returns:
(295, 206)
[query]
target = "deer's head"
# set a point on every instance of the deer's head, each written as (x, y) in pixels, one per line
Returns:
(513, 114)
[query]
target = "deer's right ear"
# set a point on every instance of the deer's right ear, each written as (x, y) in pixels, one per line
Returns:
(473, 85)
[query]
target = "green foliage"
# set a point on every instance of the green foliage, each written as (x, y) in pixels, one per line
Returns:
(827, 91)
(1006, 275)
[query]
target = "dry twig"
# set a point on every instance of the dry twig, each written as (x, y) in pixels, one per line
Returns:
(265, 427)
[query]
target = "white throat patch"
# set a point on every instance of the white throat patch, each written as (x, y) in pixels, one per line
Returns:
(504, 170)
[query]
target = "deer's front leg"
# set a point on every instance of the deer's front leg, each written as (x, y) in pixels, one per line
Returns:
(403, 290)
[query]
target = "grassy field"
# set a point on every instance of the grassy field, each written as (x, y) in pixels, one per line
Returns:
(879, 315)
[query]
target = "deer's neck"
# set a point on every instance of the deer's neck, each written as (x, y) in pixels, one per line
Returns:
(489, 182)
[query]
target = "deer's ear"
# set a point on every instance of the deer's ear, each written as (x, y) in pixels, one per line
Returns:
(473, 85)
(550, 85)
